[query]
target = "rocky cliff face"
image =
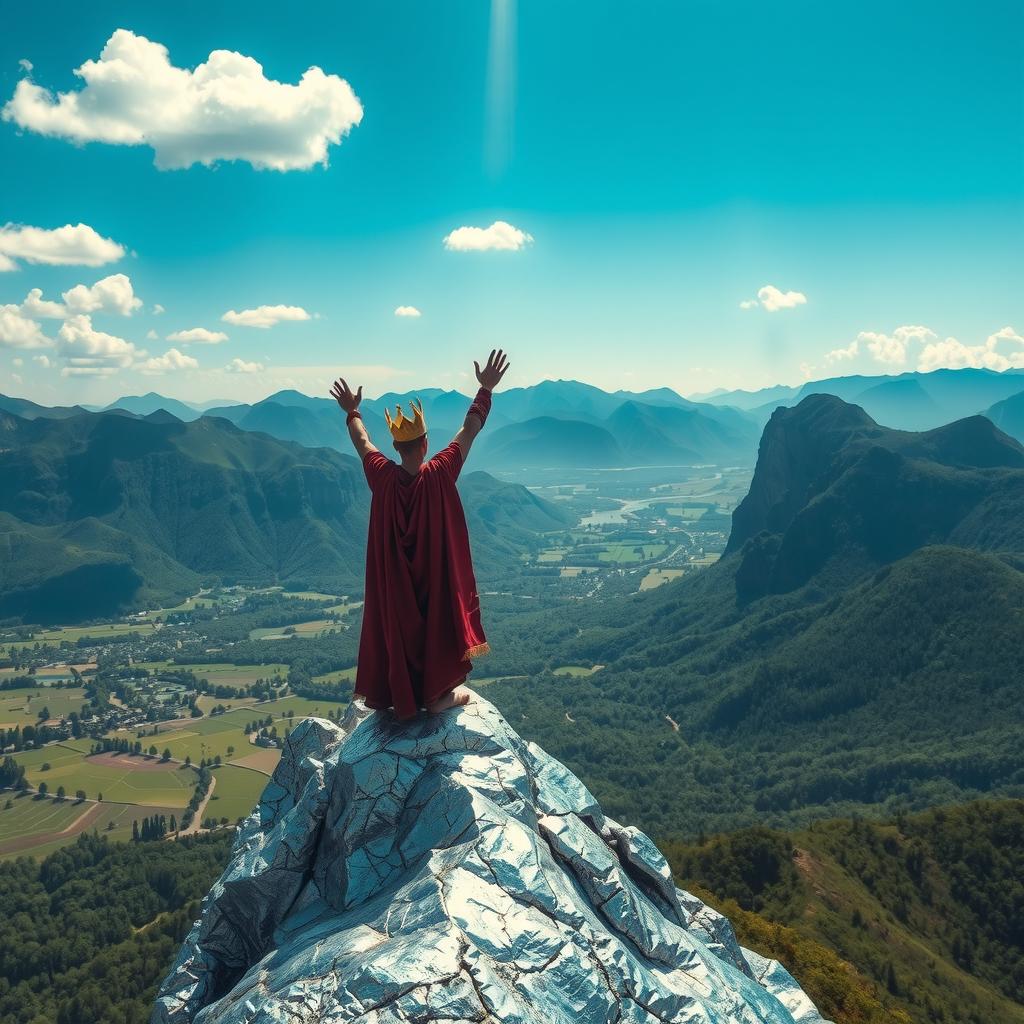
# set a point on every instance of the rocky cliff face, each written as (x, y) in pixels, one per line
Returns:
(446, 870)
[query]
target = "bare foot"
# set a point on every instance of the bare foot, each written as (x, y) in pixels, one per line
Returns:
(457, 698)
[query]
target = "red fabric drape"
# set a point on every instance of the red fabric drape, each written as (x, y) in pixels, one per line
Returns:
(421, 617)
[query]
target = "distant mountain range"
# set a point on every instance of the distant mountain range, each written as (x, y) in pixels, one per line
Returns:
(102, 512)
(856, 648)
(558, 423)
(906, 401)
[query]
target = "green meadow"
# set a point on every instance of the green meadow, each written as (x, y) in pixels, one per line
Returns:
(22, 707)
(72, 634)
(236, 793)
(201, 738)
(128, 779)
(222, 673)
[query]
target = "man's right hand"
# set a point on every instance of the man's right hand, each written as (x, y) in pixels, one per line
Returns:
(343, 395)
(490, 376)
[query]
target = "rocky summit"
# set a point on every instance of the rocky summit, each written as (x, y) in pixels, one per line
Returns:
(447, 870)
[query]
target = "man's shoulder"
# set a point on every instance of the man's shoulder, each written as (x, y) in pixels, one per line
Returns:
(447, 458)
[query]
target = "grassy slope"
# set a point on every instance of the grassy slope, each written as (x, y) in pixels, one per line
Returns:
(928, 908)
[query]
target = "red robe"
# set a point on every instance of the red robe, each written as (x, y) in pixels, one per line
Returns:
(421, 616)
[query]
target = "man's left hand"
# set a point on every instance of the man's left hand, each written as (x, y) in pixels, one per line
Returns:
(343, 395)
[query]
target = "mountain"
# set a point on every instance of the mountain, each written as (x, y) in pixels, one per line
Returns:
(779, 394)
(161, 504)
(647, 428)
(443, 869)
(317, 422)
(854, 651)
(649, 435)
(916, 401)
(505, 520)
(904, 404)
(143, 405)
(104, 512)
(634, 433)
(906, 401)
(549, 443)
(30, 410)
(1008, 415)
(925, 905)
(833, 489)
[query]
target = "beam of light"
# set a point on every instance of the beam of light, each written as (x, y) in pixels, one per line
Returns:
(501, 82)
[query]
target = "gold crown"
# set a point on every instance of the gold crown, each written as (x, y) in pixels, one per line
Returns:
(404, 428)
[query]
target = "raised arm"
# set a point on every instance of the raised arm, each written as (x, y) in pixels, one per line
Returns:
(349, 402)
(489, 378)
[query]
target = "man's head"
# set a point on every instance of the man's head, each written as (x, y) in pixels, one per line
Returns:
(414, 451)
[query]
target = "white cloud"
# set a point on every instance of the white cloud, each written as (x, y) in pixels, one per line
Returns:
(264, 316)
(838, 355)
(892, 349)
(36, 306)
(241, 366)
(197, 336)
(18, 361)
(112, 294)
(16, 377)
(749, 304)
(43, 361)
(25, 64)
(955, 355)
(71, 245)
(151, 335)
(806, 370)
(158, 309)
(7, 264)
(88, 351)
(20, 331)
(500, 235)
(773, 300)
(226, 109)
(170, 361)
(408, 311)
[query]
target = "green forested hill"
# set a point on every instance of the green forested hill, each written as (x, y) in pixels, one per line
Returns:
(88, 934)
(853, 655)
(103, 512)
(929, 908)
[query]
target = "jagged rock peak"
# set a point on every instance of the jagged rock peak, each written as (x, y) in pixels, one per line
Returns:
(446, 870)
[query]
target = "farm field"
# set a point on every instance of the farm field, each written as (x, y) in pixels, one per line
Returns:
(622, 553)
(656, 577)
(206, 704)
(29, 815)
(262, 759)
(237, 792)
(207, 737)
(127, 779)
(22, 707)
(36, 827)
(311, 628)
(222, 673)
(576, 670)
(72, 634)
(690, 514)
(341, 675)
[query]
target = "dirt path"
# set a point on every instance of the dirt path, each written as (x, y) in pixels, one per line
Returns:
(197, 820)
(80, 824)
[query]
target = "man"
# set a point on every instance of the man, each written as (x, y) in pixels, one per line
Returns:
(421, 614)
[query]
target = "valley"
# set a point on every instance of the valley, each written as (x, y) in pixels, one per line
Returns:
(828, 637)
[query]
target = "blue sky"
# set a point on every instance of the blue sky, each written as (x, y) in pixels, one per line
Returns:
(669, 160)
